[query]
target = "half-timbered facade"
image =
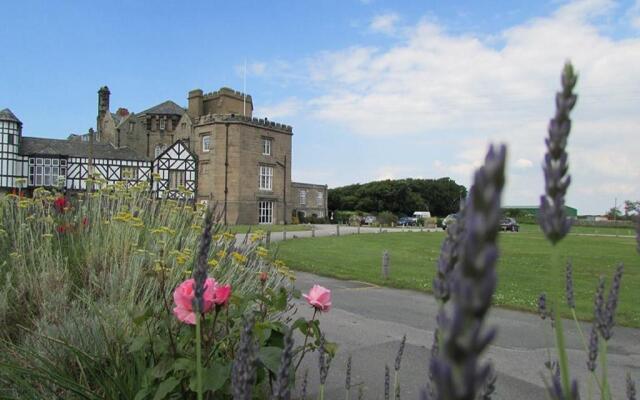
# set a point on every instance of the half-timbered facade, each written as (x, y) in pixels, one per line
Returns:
(67, 164)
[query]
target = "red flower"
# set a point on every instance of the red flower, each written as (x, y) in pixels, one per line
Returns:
(263, 277)
(61, 229)
(85, 221)
(60, 204)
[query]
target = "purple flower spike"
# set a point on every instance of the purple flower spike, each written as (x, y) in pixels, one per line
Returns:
(542, 305)
(553, 217)
(569, 285)
(457, 371)
(607, 316)
(631, 388)
(200, 272)
(593, 348)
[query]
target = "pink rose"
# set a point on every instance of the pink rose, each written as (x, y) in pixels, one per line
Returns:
(183, 297)
(221, 295)
(319, 297)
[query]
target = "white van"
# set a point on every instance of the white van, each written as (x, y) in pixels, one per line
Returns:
(422, 214)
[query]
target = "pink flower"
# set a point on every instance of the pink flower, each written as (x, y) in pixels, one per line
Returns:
(221, 295)
(183, 297)
(319, 297)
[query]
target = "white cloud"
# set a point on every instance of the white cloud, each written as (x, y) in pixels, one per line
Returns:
(396, 172)
(634, 15)
(468, 92)
(384, 23)
(523, 163)
(285, 108)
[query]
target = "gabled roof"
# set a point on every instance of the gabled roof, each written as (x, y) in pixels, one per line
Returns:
(7, 115)
(58, 147)
(168, 107)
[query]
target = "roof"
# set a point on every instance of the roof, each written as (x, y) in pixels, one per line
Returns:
(41, 147)
(7, 115)
(168, 107)
(308, 185)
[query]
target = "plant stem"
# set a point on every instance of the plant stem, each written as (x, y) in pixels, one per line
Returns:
(306, 338)
(562, 355)
(321, 395)
(395, 384)
(198, 359)
(604, 390)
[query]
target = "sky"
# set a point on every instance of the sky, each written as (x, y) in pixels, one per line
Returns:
(374, 89)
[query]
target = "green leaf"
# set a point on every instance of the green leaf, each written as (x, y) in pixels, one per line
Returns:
(161, 370)
(213, 378)
(270, 357)
(300, 324)
(142, 393)
(165, 388)
(280, 300)
(296, 293)
(183, 364)
(138, 343)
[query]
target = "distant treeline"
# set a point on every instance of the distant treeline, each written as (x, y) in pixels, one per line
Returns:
(401, 197)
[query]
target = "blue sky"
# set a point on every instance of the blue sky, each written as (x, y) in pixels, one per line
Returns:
(374, 89)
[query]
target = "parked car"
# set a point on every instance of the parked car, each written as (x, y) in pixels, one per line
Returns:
(509, 224)
(370, 219)
(407, 221)
(449, 219)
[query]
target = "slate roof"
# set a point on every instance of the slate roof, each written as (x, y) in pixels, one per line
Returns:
(7, 115)
(168, 107)
(50, 147)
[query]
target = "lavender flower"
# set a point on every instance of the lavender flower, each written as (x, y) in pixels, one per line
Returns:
(282, 388)
(593, 348)
(448, 259)
(200, 272)
(386, 382)
(303, 390)
(553, 217)
(556, 392)
(542, 305)
(490, 385)
(598, 305)
(243, 369)
(457, 371)
(347, 381)
(569, 285)
(608, 316)
(400, 352)
(631, 388)
(323, 361)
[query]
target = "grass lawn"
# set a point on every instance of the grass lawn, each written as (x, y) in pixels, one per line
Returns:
(266, 228)
(524, 271)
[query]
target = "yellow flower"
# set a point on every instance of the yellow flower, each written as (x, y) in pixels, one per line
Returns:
(221, 254)
(239, 258)
(217, 237)
(212, 263)
(181, 259)
(280, 264)
(262, 252)
(196, 227)
(229, 236)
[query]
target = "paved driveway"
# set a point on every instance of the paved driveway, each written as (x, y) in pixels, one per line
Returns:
(368, 322)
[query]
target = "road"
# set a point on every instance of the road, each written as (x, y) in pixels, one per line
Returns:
(368, 322)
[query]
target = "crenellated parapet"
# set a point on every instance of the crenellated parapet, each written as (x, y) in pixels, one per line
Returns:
(259, 122)
(227, 91)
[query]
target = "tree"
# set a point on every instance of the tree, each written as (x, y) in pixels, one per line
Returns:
(401, 197)
(631, 207)
(614, 213)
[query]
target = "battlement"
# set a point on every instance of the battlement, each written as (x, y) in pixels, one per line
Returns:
(229, 92)
(260, 122)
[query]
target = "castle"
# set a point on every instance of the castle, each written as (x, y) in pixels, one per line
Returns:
(214, 148)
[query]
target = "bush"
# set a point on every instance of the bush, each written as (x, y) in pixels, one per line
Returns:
(87, 298)
(387, 218)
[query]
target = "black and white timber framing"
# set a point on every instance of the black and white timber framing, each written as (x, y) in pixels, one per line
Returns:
(175, 168)
(64, 164)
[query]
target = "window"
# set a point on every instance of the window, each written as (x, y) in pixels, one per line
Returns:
(265, 212)
(128, 173)
(320, 199)
(131, 124)
(10, 138)
(266, 178)
(303, 197)
(266, 146)
(159, 149)
(176, 179)
(206, 142)
(162, 124)
(47, 171)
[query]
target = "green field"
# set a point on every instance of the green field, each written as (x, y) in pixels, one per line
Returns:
(525, 268)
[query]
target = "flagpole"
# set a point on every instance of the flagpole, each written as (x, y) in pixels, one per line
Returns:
(244, 90)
